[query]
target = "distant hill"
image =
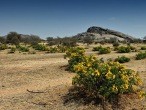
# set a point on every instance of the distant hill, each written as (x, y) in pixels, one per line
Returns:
(99, 33)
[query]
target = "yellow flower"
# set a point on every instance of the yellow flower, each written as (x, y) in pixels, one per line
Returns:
(109, 75)
(78, 67)
(97, 72)
(126, 86)
(73, 54)
(139, 82)
(141, 94)
(125, 78)
(114, 88)
(88, 64)
(134, 87)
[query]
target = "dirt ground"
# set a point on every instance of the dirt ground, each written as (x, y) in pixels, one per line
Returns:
(40, 82)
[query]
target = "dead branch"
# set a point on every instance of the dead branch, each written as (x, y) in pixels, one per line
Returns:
(35, 91)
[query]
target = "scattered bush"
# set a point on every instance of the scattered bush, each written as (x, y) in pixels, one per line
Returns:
(104, 50)
(75, 55)
(116, 48)
(133, 49)
(141, 55)
(123, 49)
(58, 49)
(12, 50)
(40, 47)
(122, 59)
(3, 47)
(96, 48)
(22, 49)
(52, 50)
(109, 60)
(143, 48)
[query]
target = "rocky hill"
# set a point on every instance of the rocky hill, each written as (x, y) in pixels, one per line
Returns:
(99, 33)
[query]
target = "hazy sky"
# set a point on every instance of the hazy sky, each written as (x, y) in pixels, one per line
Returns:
(68, 17)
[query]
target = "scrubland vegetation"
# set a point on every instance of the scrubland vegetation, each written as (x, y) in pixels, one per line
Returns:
(105, 75)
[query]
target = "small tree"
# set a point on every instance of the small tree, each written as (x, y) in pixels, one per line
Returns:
(69, 41)
(13, 38)
(2, 40)
(50, 41)
(30, 39)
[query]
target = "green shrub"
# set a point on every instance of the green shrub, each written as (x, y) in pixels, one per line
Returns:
(141, 55)
(52, 50)
(22, 49)
(116, 48)
(104, 50)
(122, 59)
(143, 48)
(123, 49)
(75, 55)
(133, 49)
(96, 48)
(58, 49)
(40, 47)
(3, 47)
(62, 49)
(12, 50)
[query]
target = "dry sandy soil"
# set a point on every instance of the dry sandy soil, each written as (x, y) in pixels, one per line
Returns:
(40, 82)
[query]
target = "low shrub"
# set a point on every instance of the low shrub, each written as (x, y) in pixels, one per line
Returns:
(133, 49)
(123, 49)
(58, 49)
(116, 48)
(52, 50)
(40, 47)
(22, 49)
(122, 59)
(70, 53)
(104, 50)
(143, 48)
(12, 50)
(75, 55)
(141, 55)
(3, 47)
(62, 49)
(96, 48)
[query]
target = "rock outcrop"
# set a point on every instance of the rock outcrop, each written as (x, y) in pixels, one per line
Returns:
(103, 31)
(99, 33)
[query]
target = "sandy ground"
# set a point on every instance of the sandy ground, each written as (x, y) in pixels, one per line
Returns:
(39, 81)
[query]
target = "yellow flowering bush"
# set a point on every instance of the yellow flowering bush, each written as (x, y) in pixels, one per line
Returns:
(106, 79)
(75, 55)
